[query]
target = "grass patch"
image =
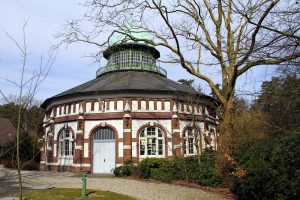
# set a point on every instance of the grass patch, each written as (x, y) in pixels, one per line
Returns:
(73, 194)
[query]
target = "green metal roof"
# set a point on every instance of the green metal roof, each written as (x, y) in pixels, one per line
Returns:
(126, 35)
(126, 54)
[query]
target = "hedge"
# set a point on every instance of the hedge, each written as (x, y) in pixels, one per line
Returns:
(187, 169)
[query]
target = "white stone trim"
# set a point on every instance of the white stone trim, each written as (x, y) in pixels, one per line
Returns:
(159, 105)
(119, 105)
(127, 130)
(127, 146)
(134, 149)
(151, 105)
(143, 105)
(78, 147)
(176, 131)
(120, 153)
(86, 150)
(170, 152)
(177, 146)
(72, 165)
(49, 148)
(82, 165)
(54, 150)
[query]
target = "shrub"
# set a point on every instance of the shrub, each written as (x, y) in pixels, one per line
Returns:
(127, 169)
(204, 173)
(28, 149)
(145, 166)
(178, 169)
(165, 172)
(256, 185)
(192, 168)
(209, 176)
(272, 169)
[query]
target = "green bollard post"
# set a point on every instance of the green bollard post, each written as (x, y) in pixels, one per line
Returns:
(83, 191)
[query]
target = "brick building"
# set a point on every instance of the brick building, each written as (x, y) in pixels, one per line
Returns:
(131, 110)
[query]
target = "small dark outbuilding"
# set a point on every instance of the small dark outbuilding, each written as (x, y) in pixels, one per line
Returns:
(7, 133)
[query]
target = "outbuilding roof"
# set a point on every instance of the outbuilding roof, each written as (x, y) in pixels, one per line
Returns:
(7, 131)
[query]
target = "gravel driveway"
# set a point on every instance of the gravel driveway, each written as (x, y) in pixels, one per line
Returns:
(134, 188)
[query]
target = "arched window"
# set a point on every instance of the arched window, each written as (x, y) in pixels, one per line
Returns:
(151, 142)
(189, 142)
(66, 143)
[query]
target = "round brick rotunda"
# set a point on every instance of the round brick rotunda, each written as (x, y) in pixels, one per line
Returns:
(131, 110)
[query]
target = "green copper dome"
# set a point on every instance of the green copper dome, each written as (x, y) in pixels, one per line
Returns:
(126, 54)
(125, 36)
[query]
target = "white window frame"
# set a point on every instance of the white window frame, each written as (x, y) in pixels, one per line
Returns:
(212, 136)
(49, 142)
(189, 141)
(66, 144)
(144, 142)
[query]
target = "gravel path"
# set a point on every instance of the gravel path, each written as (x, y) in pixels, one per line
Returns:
(134, 188)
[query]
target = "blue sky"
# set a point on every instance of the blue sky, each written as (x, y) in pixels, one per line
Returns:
(71, 68)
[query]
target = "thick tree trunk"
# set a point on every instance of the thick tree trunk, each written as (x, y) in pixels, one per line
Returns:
(225, 142)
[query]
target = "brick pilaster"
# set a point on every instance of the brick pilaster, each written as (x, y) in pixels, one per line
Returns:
(127, 133)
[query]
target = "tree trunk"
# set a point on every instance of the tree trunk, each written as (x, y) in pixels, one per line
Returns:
(18, 151)
(225, 142)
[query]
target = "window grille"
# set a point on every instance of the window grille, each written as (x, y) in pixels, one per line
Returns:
(104, 134)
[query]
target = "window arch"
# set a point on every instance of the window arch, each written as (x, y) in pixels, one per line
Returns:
(152, 142)
(105, 133)
(66, 143)
(189, 141)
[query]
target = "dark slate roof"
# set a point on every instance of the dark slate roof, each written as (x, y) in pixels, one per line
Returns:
(7, 131)
(125, 81)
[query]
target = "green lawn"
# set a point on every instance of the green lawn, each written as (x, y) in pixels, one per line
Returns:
(65, 193)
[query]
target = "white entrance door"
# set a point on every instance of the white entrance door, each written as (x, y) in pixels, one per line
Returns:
(104, 159)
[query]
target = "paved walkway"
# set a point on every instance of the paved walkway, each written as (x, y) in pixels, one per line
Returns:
(134, 188)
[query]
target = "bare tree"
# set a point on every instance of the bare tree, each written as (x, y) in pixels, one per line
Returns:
(224, 37)
(27, 87)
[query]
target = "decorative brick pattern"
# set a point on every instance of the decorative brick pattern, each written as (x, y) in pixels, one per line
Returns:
(143, 110)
